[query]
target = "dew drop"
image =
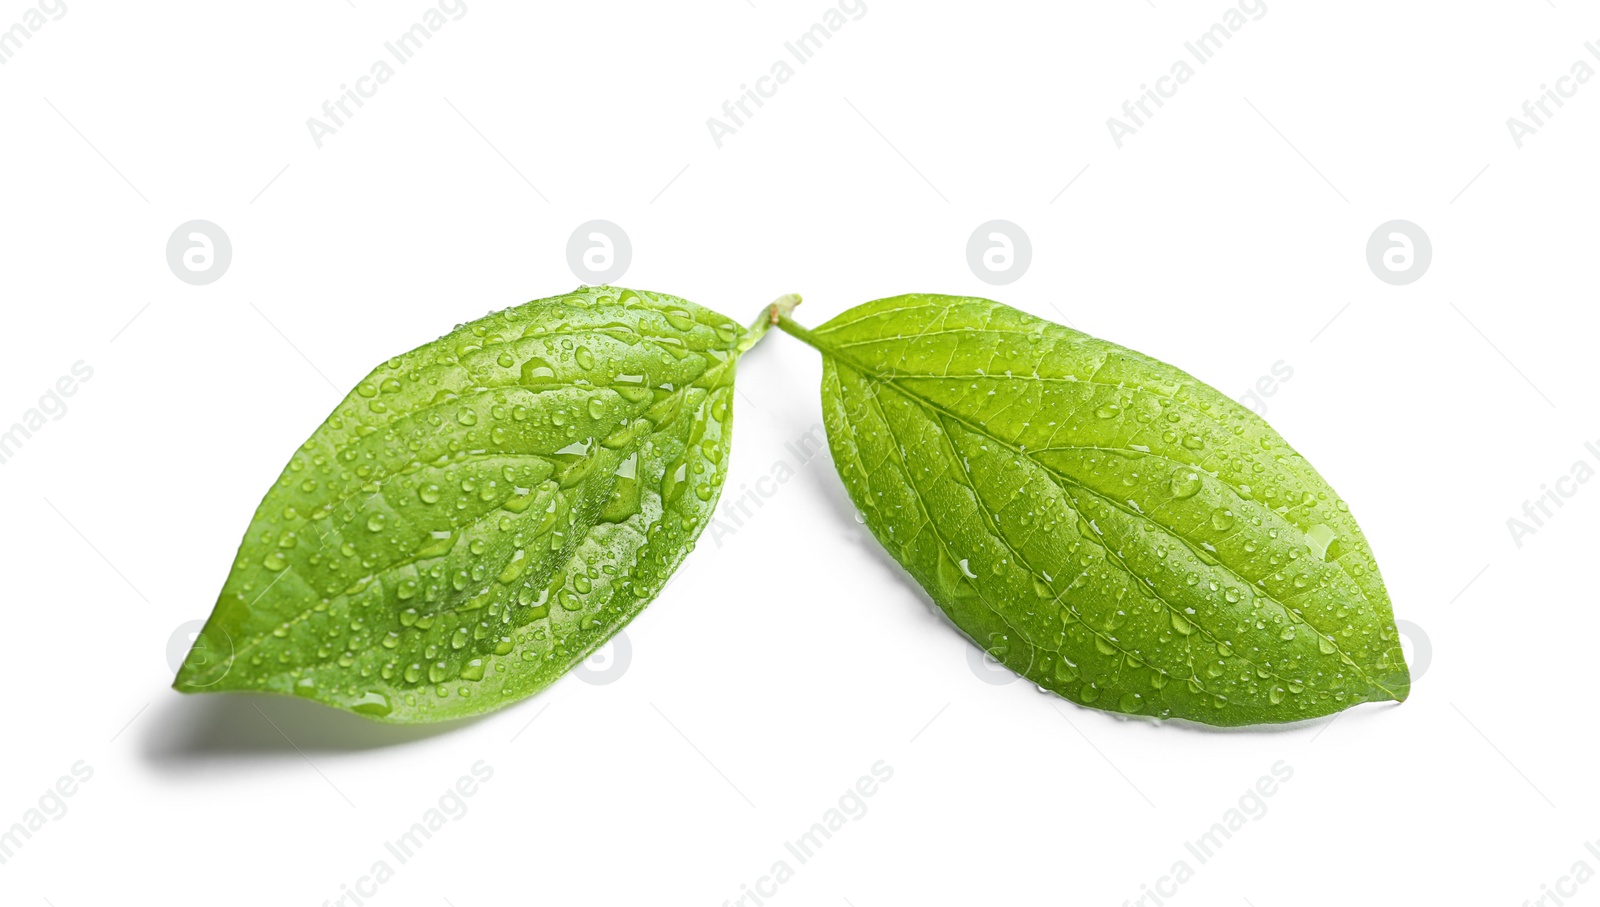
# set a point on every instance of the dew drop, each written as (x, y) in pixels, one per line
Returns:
(372, 703)
(537, 371)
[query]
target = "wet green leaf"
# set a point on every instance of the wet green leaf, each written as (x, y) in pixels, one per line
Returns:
(483, 512)
(1103, 523)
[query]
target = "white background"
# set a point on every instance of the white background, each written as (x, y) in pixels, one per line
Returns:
(1226, 235)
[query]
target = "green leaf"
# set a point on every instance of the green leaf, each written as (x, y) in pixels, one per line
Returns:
(483, 512)
(1103, 523)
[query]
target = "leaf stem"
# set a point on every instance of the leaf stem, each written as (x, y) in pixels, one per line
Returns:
(775, 313)
(788, 326)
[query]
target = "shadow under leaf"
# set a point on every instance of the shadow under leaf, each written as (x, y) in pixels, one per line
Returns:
(187, 731)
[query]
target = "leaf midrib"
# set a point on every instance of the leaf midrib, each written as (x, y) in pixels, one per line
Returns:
(715, 370)
(874, 374)
(994, 530)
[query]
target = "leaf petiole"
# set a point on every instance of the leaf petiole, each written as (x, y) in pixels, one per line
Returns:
(777, 310)
(794, 329)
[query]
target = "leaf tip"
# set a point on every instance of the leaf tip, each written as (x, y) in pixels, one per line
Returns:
(1397, 683)
(185, 682)
(1401, 690)
(207, 666)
